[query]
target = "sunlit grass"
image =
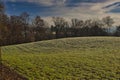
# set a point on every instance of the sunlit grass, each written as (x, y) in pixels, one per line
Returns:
(95, 58)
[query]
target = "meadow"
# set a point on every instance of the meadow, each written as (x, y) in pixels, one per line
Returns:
(85, 58)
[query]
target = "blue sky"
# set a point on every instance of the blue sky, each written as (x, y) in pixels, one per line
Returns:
(83, 9)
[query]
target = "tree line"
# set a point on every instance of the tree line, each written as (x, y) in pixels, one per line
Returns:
(21, 29)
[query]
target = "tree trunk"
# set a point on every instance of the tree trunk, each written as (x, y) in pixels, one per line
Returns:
(0, 63)
(0, 56)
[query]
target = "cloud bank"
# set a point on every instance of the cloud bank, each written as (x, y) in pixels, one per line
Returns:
(82, 9)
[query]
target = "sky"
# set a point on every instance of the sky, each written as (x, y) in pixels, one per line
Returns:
(81, 9)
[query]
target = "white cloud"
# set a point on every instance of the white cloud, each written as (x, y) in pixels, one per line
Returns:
(82, 11)
(88, 10)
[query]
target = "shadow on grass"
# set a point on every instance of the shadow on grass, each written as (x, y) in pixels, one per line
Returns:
(8, 74)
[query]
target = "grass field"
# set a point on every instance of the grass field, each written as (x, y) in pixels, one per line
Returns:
(87, 58)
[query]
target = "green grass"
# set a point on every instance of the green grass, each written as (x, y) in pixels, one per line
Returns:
(87, 58)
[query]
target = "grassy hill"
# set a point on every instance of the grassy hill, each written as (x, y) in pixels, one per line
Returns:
(95, 58)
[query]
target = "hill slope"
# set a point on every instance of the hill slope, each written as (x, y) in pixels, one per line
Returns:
(72, 58)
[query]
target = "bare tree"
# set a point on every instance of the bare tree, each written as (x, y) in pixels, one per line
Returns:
(25, 23)
(40, 28)
(60, 27)
(108, 21)
(76, 23)
(1, 26)
(117, 32)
